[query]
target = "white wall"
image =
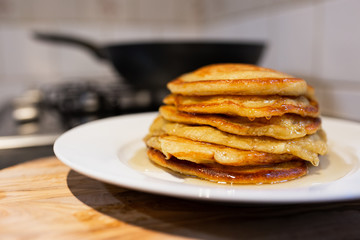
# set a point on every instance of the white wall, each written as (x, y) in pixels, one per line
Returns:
(318, 40)
(313, 38)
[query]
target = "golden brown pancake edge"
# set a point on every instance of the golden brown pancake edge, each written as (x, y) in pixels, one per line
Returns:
(245, 106)
(201, 152)
(277, 127)
(307, 148)
(240, 175)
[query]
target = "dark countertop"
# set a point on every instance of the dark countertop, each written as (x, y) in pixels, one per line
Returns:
(10, 157)
(48, 123)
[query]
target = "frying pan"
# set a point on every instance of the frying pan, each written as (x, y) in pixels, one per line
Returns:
(153, 64)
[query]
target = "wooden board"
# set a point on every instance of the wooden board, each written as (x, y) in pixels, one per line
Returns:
(44, 199)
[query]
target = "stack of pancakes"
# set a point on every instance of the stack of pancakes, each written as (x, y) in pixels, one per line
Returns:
(238, 123)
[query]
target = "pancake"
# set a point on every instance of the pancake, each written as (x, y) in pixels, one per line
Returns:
(201, 152)
(287, 126)
(306, 148)
(229, 174)
(245, 106)
(237, 79)
(238, 123)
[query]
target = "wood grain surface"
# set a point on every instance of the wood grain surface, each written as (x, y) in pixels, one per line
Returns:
(44, 199)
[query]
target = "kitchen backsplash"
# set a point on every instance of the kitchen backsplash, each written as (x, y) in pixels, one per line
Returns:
(315, 39)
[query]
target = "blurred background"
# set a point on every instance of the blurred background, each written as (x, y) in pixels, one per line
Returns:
(318, 40)
(315, 39)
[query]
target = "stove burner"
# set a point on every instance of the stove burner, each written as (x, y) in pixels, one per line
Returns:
(75, 103)
(114, 98)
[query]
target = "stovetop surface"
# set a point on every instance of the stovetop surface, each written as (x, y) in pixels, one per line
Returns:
(53, 110)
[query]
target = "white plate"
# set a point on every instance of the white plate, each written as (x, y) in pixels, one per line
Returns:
(111, 150)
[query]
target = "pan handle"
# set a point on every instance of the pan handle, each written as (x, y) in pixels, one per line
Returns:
(66, 39)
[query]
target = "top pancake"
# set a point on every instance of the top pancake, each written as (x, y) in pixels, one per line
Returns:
(237, 79)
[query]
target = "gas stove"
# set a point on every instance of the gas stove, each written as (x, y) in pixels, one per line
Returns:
(38, 116)
(63, 106)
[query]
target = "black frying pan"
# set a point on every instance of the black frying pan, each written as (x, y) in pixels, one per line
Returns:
(153, 64)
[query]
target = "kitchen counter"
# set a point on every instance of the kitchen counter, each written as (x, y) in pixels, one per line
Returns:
(44, 199)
